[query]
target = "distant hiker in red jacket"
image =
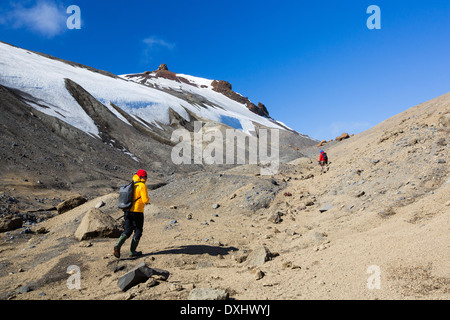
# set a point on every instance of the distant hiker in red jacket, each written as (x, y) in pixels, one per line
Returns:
(323, 160)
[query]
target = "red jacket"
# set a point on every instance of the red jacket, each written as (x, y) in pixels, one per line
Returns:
(321, 158)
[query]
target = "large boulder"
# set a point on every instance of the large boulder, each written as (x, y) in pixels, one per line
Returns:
(343, 137)
(10, 222)
(70, 204)
(96, 224)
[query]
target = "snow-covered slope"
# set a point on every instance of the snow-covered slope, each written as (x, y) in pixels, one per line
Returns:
(41, 82)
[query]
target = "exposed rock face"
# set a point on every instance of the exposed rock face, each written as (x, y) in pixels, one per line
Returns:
(225, 88)
(163, 66)
(163, 72)
(260, 109)
(221, 86)
(342, 137)
(322, 143)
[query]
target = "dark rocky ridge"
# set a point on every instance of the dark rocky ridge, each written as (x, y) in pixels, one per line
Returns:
(225, 88)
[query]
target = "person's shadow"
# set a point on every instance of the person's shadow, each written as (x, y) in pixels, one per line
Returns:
(191, 250)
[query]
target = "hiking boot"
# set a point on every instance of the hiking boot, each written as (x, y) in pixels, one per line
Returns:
(135, 253)
(117, 252)
(118, 245)
(133, 246)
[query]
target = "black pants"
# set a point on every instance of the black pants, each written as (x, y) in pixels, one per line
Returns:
(134, 221)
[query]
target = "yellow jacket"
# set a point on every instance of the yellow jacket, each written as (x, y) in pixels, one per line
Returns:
(140, 198)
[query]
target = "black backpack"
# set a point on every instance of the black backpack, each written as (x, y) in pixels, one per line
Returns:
(126, 194)
(325, 157)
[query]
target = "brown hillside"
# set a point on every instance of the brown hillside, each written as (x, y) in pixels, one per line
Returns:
(383, 205)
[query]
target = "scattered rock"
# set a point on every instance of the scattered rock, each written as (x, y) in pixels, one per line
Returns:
(175, 287)
(319, 237)
(309, 203)
(204, 264)
(100, 204)
(323, 246)
(85, 244)
(386, 213)
(290, 232)
(240, 258)
(258, 256)
(258, 274)
(308, 176)
(26, 288)
(208, 294)
(151, 282)
(42, 230)
(441, 142)
(325, 208)
(276, 217)
(215, 206)
(138, 275)
(360, 194)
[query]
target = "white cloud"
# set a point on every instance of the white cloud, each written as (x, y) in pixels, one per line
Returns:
(153, 42)
(44, 17)
(153, 46)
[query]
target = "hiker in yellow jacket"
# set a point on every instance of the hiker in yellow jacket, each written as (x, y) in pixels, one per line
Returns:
(134, 217)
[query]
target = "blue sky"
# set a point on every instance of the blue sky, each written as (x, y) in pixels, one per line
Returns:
(315, 64)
